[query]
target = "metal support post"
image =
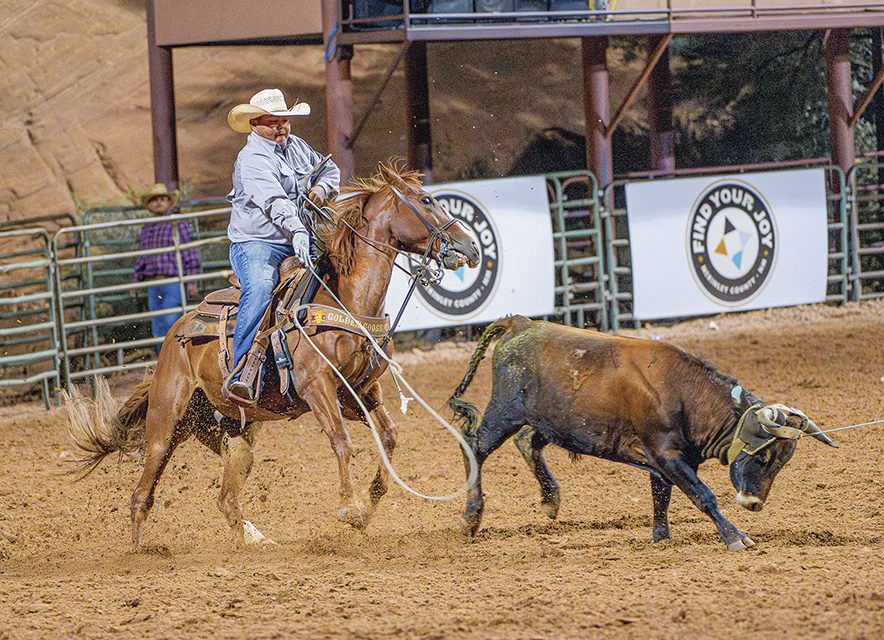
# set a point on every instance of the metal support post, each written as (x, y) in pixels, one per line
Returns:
(597, 106)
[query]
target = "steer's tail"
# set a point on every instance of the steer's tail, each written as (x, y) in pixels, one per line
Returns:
(98, 429)
(466, 411)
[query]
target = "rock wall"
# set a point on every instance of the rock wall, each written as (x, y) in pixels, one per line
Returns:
(74, 97)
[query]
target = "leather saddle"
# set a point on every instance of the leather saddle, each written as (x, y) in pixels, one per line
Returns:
(224, 303)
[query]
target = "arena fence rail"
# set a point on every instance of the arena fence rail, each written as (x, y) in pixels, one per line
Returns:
(94, 275)
(617, 248)
(113, 336)
(866, 182)
(28, 333)
(578, 245)
(92, 325)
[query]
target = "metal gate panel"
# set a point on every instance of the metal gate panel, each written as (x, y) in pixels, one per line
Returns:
(866, 184)
(105, 338)
(618, 261)
(578, 249)
(838, 221)
(618, 258)
(28, 332)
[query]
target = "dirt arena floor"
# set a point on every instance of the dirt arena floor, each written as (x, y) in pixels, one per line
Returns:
(66, 569)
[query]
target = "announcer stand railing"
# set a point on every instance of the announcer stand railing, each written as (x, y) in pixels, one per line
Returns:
(866, 181)
(578, 246)
(102, 312)
(28, 329)
(616, 227)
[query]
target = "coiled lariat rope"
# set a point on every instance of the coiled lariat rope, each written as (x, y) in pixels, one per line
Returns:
(396, 372)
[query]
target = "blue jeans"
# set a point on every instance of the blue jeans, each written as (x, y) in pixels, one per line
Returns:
(163, 296)
(256, 264)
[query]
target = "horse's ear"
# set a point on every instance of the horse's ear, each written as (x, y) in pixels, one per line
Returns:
(391, 177)
(385, 172)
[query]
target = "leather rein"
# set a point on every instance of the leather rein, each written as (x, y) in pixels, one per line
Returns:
(425, 275)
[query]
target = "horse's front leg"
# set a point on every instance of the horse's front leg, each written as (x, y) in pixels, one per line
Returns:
(387, 432)
(321, 395)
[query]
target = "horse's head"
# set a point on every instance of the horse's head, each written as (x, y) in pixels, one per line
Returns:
(417, 218)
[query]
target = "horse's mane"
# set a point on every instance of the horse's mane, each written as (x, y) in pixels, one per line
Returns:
(349, 211)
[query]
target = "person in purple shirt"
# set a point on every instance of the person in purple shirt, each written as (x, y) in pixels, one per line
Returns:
(159, 202)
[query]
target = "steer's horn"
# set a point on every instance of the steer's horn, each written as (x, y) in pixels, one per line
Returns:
(814, 432)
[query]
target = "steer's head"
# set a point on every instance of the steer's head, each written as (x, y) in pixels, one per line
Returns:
(764, 441)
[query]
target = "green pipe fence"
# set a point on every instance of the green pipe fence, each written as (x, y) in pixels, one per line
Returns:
(28, 332)
(113, 333)
(577, 242)
(69, 314)
(866, 181)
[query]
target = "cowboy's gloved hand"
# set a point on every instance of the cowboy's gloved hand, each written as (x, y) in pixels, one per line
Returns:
(301, 245)
(317, 195)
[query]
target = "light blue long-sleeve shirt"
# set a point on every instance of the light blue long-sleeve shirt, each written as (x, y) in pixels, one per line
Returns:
(264, 172)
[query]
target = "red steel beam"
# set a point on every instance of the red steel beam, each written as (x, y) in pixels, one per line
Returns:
(662, 131)
(597, 107)
(839, 91)
(417, 105)
(653, 59)
(338, 94)
(162, 106)
(867, 99)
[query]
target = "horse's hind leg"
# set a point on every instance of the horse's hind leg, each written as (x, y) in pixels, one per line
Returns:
(530, 444)
(236, 454)
(163, 431)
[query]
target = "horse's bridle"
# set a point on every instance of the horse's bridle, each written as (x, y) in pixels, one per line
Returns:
(425, 275)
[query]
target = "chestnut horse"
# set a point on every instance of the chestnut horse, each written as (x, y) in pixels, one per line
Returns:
(375, 219)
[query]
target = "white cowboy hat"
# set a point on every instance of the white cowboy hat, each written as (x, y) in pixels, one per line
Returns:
(267, 102)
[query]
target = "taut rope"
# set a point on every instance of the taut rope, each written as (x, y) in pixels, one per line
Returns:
(852, 426)
(396, 372)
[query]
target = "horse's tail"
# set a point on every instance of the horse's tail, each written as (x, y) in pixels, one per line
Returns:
(98, 429)
(466, 411)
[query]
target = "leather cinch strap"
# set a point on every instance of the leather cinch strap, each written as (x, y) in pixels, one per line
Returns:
(223, 353)
(322, 317)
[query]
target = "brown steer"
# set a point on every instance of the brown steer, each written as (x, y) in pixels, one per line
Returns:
(646, 403)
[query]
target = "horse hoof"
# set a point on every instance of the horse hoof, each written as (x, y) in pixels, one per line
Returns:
(252, 536)
(736, 546)
(353, 516)
(550, 509)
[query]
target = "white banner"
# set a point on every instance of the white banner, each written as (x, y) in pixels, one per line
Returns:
(510, 219)
(727, 243)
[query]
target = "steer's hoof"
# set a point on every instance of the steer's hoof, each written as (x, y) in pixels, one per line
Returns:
(659, 535)
(748, 542)
(469, 528)
(550, 509)
(354, 516)
(736, 546)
